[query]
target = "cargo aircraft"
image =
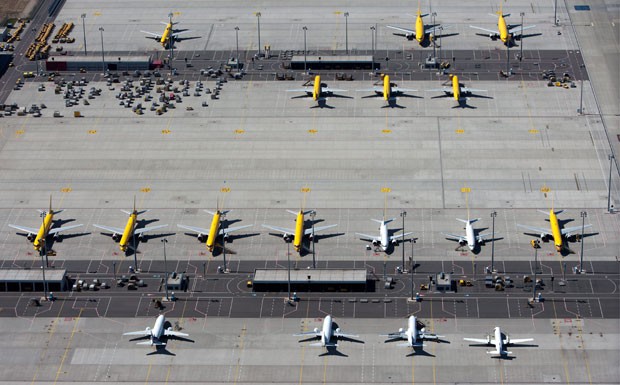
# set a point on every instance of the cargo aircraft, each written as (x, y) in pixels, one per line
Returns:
(388, 90)
(413, 335)
(326, 334)
(423, 34)
(457, 90)
(123, 236)
(470, 239)
(299, 232)
(317, 90)
(38, 236)
(384, 239)
(505, 32)
(155, 335)
(555, 231)
(168, 37)
(500, 340)
(210, 235)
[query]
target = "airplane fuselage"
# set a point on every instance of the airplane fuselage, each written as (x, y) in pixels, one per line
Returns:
(387, 87)
(316, 89)
(299, 231)
(43, 230)
(412, 330)
(499, 342)
(383, 236)
(419, 28)
(555, 230)
(128, 232)
(213, 231)
(166, 35)
(456, 88)
(326, 333)
(469, 235)
(504, 36)
(158, 329)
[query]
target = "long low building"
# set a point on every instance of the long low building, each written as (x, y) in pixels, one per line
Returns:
(27, 280)
(276, 280)
(97, 63)
(340, 62)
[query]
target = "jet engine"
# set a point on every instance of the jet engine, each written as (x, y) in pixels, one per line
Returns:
(462, 242)
(201, 238)
(337, 330)
(493, 36)
(400, 330)
(316, 330)
(376, 242)
(31, 237)
(116, 237)
(288, 238)
(543, 237)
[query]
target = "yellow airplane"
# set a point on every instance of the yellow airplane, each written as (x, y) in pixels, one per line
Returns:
(422, 33)
(214, 231)
(556, 233)
(124, 236)
(317, 90)
(38, 237)
(505, 32)
(457, 90)
(169, 36)
(299, 232)
(386, 89)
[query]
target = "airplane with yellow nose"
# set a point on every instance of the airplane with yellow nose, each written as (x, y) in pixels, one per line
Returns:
(457, 90)
(38, 236)
(554, 231)
(505, 32)
(386, 89)
(297, 235)
(209, 236)
(316, 90)
(422, 33)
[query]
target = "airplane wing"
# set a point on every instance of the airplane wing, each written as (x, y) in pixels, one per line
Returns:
(114, 230)
(280, 229)
(536, 229)
(429, 336)
(198, 230)
(482, 236)
(145, 229)
(484, 29)
(172, 333)
(568, 230)
(232, 229)
(453, 237)
(397, 89)
(138, 333)
(56, 230)
(29, 230)
(410, 31)
(367, 237)
(316, 229)
(518, 30)
(465, 90)
(395, 335)
(343, 335)
(430, 29)
(445, 89)
(156, 36)
(332, 90)
(519, 341)
(400, 235)
(310, 333)
(174, 35)
(300, 90)
(479, 340)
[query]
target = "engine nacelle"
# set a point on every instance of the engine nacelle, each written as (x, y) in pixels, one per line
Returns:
(316, 330)
(431, 37)
(395, 241)
(543, 237)
(376, 242)
(410, 36)
(288, 238)
(337, 330)
(169, 328)
(400, 330)
(201, 238)
(116, 237)
(493, 36)
(462, 242)
(57, 238)
(142, 238)
(489, 339)
(31, 237)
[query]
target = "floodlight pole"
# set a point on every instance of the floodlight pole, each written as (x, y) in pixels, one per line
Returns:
(164, 241)
(84, 30)
(611, 159)
(403, 214)
(434, 14)
(305, 50)
(258, 15)
(237, 40)
(288, 257)
(584, 214)
(346, 32)
(312, 215)
(372, 45)
(44, 263)
(555, 13)
(521, 54)
(102, 54)
(493, 215)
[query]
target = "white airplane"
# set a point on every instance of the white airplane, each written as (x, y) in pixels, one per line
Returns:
(413, 335)
(384, 239)
(500, 341)
(156, 333)
(470, 238)
(326, 333)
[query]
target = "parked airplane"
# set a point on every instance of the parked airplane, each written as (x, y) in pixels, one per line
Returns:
(505, 32)
(214, 231)
(386, 89)
(500, 340)
(326, 333)
(168, 36)
(38, 237)
(299, 232)
(456, 90)
(315, 89)
(556, 233)
(123, 236)
(384, 239)
(470, 237)
(413, 335)
(422, 33)
(156, 333)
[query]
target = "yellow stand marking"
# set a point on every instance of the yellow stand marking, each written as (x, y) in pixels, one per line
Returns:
(64, 356)
(225, 189)
(92, 131)
(66, 189)
(145, 189)
(460, 131)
